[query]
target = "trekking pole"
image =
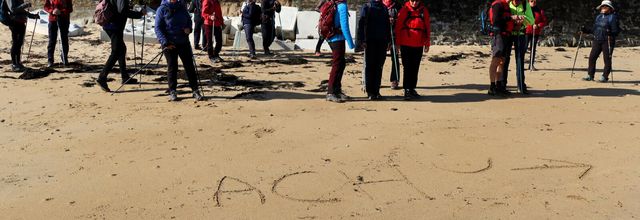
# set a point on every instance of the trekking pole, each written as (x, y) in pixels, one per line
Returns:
(611, 59)
(62, 56)
(195, 65)
(576, 57)
(394, 54)
(533, 48)
(35, 23)
(133, 38)
(140, 70)
(364, 72)
(144, 30)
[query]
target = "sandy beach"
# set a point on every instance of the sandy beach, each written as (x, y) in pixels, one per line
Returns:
(266, 145)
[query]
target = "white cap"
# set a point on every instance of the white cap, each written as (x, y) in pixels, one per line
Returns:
(606, 3)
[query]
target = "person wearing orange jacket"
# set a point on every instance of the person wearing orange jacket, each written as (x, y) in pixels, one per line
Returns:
(213, 21)
(413, 35)
(535, 29)
(59, 19)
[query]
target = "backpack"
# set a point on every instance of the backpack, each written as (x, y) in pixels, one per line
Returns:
(5, 17)
(103, 13)
(256, 16)
(326, 24)
(484, 16)
(412, 16)
(491, 28)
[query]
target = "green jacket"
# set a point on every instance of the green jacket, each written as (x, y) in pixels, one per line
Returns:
(528, 16)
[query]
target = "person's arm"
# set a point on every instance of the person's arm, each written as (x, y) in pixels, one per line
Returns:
(362, 26)
(14, 8)
(427, 35)
(161, 28)
(344, 24)
(615, 25)
(204, 13)
(529, 19)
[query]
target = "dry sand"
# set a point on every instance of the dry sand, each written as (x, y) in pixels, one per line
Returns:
(570, 150)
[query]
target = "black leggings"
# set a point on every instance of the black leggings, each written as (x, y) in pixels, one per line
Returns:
(597, 48)
(375, 54)
(118, 54)
(268, 34)
(63, 25)
(182, 51)
(198, 23)
(411, 58)
(18, 31)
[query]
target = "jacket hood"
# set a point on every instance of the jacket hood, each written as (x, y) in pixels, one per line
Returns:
(418, 8)
(172, 5)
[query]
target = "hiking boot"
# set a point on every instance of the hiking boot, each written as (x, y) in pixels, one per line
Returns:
(252, 56)
(197, 47)
(129, 81)
(376, 97)
(523, 91)
(219, 59)
(603, 79)
(394, 85)
(50, 65)
(343, 96)
(492, 90)
(103, 85)
(334, 98)
(17, 68)
(588, 78)
(197, 95)
(267, 52)
(173, 96)
(411, 94)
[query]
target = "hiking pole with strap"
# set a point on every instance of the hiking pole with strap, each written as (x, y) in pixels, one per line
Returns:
(62, 56)
(533, 48)
(35, 23)
(576, 57)
(140, 70)
(394, 54)
(195, 65)
(133, 37)
(144, 30)
(611, 58)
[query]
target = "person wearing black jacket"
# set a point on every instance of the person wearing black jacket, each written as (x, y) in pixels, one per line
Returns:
(18, 14)
(605, 30)
(115, 30)
(196, 8)
(269, 9)
(374, 36)
(251, 15)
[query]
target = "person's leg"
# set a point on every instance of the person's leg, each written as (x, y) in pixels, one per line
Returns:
(113, 57)
(53, 39)
(521, 50)
(187, 61)
(535, 50)
(172, 68)
(395, 62)
(122, 56)
(267, 35)
(208, 33)
(607, 58)
(18, 31)
(319, 44)
(337, 66)
(380, 60)
(596, 49)
(508, 44)
(410, 67)
(217, 31)
(64, 38)
(529, 47)
(197, 29)
(248, 31)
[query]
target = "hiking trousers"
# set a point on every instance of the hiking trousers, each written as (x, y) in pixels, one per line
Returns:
(18, 32)
(118, 54)
(338, 64)
(198, 23)
(210, 32)
(411, 58)
(184, 52)
(520, 44)
(63, 25)
(533, 45)
(248, 31)
(597, 48)
(268, 34)
(375, 55)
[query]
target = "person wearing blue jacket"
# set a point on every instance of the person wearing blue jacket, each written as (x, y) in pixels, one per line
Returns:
(251, 15)
(605, 30)
(173, 27)
(337, 44)
(374, 36)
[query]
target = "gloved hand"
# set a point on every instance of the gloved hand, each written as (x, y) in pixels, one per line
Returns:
(33, 16)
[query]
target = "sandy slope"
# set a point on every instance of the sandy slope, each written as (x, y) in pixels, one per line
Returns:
(72, 152)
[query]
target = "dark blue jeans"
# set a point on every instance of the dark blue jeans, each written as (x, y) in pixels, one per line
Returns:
(63, 25)
(248, 31)
(520, 43)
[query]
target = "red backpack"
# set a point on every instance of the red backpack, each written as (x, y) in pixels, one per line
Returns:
(103, 13)
(506, 12)
(326, 24)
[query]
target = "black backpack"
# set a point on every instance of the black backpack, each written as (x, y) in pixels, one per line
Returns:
(5, 17)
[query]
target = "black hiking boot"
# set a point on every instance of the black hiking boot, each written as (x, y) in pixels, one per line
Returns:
(197, 95)
(173, 96)
(334, 98)
(103, 85)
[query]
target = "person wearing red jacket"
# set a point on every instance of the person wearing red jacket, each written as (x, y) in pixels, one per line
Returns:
(213, 21)
(540, 23)
(59, 19)
(413, 35)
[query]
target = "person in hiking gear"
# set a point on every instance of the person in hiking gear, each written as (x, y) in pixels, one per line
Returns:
(393, 8)
(59, 19)
(173, 27)
(251, 15)
(196, 8)
(115, 30)
(605, 30)
(501, 27)
(213, 21)
(337, 44)
(374, 36)
(320, 38)
(269, 9)
(535, 29)
(413, 35)
(522, 16)
(18, 14)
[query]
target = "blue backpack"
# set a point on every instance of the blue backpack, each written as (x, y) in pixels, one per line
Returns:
(5, 17)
